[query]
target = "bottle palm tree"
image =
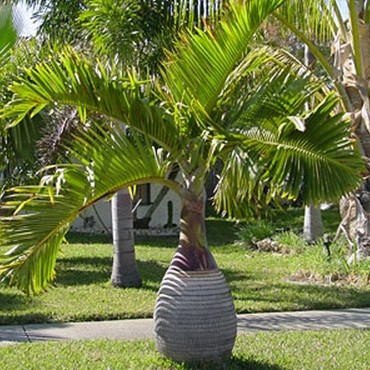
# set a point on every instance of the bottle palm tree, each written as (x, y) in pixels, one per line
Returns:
(218, 101)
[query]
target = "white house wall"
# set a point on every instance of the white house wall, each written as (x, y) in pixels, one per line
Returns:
(99, 220)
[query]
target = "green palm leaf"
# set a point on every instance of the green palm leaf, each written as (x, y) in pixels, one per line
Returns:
(200, 66)
(319, 163)
(92, 87)
(41, 215)
(315, 18)
(8, 32)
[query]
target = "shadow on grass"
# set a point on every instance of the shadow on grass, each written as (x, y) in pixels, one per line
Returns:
(158, 241)
(11, 301)
(151, 272)
(234, 363)
(304, 296)
(155, 241)
(83, 270)
(221, 232)
(13, 307)
(82, 238)
(94, 270)
(236, 275)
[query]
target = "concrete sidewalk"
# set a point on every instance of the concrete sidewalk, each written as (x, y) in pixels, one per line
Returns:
(358, 318)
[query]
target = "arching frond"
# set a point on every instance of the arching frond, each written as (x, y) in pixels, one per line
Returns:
(201, 64)
(315, 18)
(265, 94)
(316, 163)
(40, 215)
(72, 79)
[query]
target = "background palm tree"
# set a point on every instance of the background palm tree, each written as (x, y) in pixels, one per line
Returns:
(217, 101)
(348, 71)
(17, 154)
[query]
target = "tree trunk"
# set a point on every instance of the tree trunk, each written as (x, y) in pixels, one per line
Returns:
(194, 316)
(313, 227)
(124, 270)
(354, 211)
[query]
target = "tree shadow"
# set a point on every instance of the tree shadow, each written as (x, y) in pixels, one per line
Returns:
(10, 301)
(83, 270)
(234, 363)
(305, 297)
(76, 271)
(221, 232)
(151, 272)
(88, 238)
(14, 309)
(236, 275)
(161, 241)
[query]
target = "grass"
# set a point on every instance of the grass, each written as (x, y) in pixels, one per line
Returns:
(259, 281)
(337, 349)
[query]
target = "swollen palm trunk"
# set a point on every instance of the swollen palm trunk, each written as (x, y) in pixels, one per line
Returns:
(194, 314)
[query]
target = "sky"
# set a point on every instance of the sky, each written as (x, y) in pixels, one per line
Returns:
(343, 6)
(29, 27)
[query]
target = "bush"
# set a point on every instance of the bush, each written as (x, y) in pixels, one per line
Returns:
(254, 231)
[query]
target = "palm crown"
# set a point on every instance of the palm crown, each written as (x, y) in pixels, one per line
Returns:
(216, 101)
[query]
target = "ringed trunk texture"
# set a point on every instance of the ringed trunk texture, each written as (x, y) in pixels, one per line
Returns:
(124, 270)
(194, 315)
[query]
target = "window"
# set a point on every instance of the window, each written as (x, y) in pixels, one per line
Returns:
(142, 194)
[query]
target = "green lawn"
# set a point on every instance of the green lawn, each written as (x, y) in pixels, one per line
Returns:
(329, 350)
(259, 281)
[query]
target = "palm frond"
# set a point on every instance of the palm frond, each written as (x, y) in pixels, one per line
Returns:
(201, 64)
(251, 196)
(72, 79)
(139, 32)
(8, 31)
(39, 216)
(113, 26)
(316, 164)
(315, 22)
(265, 94)
(314, 18)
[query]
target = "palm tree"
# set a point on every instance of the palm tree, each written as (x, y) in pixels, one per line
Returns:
(17, 144)
(124, 270)
(218, 101)
(134, 32)
(138, 32)
(348, 70)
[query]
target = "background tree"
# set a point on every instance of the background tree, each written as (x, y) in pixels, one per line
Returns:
(348, 71)
(219, 101)
(17, 145)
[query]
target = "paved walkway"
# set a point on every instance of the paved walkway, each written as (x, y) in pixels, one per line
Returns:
(143, 328)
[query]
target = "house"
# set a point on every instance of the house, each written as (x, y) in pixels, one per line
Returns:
(156, 211)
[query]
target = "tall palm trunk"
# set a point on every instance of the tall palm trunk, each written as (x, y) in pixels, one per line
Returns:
(194, 315)
(124, 271)
(313, 227)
